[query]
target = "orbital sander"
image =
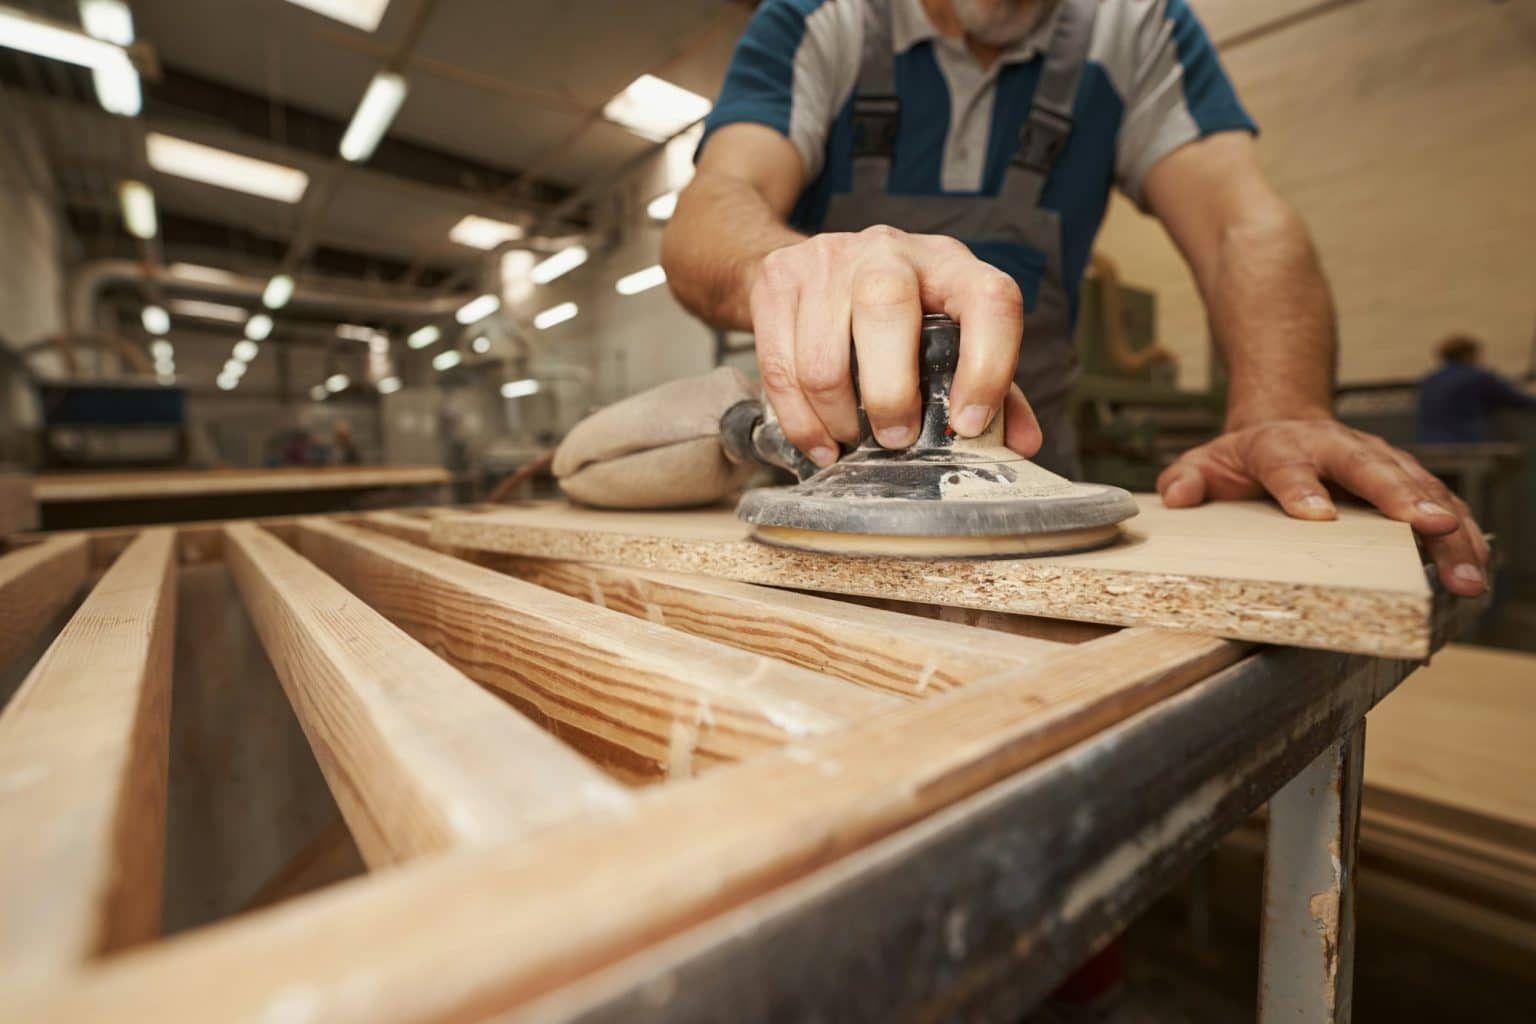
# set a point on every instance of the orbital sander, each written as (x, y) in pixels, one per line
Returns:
(945, 496)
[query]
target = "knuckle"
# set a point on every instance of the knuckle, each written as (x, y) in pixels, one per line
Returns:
(821, 379)
(884, 287)
(1000, 293)
(882, 234)
(779, 271)
(776, 372)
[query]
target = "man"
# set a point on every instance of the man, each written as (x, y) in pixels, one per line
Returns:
(1457, 401)
(870, 160)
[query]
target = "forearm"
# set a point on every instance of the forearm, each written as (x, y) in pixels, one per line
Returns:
(1272, 316)
(711, 270)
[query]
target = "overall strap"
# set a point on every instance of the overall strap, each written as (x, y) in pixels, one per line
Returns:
(876, 109)
(1049, 122)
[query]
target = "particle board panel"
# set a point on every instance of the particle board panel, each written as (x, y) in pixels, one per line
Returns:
(1242, 570)
(420, 759)
(83, 749)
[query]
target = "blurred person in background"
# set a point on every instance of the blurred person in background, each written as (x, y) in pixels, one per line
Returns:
(1457, 401)
(344, 452)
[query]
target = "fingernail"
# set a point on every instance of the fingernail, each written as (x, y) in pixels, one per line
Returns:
(972, 420)
(1469, 573)
(822, 455)
(1316, 503)
(1429, 508)
(898, 436)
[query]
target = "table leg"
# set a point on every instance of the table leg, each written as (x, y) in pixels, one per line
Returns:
(1309, 887)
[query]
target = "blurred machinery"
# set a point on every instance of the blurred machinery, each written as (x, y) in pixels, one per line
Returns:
(111, 424)
(1132, 418)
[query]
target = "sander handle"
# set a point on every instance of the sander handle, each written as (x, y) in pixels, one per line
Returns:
(750, 432)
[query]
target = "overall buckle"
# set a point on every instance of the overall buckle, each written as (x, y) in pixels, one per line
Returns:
(874, 125)
(1041, 139)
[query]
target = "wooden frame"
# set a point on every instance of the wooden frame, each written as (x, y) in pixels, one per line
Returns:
(830, 730)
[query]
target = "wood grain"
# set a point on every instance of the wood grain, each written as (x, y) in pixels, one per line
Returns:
(18, 509)
(419, 758)
(35, 583)
(1237, 569)
(83, 763)
(484, 930)
(196, 483)
(638, 693)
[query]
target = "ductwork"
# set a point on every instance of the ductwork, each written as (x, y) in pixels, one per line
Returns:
(90, 280)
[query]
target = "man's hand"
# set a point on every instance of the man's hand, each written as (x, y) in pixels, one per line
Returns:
(817, 302)
(1291, 459)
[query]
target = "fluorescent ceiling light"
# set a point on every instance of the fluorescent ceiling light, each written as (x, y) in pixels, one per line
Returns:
(278, 291)
(421, 338)
(379, 106)
(318, 392)
(156, 321)
(355, 332)
(234, 368)
(477, 309)
(161, 349)
(165, 366)
(258, 327)
(110, 20)
(166, 379)
(555, 315)
(446, 360)
(246, 349)
(117, 86)
(193, 160)
(481, 345)
(138, 205)
(337, 382)
(379, 344)
(389, 385)
(21, 31)
(655, 109)
(520, 388)
(562, 262)
(198, 272)
(363, 14)
(484, 233)
(208, 310)
(641, 280)
(662, 207)
(227, 383)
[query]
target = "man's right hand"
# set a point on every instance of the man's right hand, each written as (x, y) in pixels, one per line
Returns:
(815, 302)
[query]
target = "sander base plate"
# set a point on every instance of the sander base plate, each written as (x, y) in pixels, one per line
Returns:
(894, 546)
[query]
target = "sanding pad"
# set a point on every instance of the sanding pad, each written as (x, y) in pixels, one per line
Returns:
(944, 497)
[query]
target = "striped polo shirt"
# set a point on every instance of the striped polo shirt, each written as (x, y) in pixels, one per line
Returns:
(1153, 83)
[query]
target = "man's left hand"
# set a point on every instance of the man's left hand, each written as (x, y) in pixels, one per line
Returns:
(1292, 459)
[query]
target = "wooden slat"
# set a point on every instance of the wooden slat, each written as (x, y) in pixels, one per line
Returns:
(1235, 569)
(419, 758)
(197, 541)
(197, 483)
(35, 583)
(18, 509)
(651, 699)
(464, 936)
(82, 773)
(870, 646)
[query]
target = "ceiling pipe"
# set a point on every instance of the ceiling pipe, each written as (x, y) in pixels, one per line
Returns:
(89, 281)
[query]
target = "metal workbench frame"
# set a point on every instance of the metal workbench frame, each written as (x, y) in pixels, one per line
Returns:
(979, 911)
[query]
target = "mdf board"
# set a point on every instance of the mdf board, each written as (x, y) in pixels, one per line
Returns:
(1235, 569)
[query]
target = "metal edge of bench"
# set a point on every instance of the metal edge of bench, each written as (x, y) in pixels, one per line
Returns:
(978, 911)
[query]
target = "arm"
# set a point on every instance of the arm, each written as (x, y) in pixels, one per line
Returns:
(1500, 392)
(1272, 317)
(812, 302)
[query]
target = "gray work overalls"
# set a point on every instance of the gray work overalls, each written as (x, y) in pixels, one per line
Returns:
(1048, 365)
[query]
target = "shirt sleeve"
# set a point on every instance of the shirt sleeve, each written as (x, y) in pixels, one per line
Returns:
(1499, 392)
(793, 69)
(1178, 92)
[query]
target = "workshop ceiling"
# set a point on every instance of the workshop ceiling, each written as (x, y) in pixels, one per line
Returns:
(502, 117)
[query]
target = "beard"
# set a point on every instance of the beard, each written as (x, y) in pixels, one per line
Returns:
(1000, 22)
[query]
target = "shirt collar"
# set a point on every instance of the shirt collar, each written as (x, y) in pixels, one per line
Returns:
(911, 25)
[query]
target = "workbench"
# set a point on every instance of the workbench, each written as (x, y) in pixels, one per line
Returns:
(69, 501)
(696, 799)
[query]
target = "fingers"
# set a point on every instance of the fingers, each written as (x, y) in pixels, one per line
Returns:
(822, 351)
(887, 320)
(1366, 466)
(1288, 472)
(1023, 433)
(989, 307)
(1461, 556)
(775, 302)
(1182, 485)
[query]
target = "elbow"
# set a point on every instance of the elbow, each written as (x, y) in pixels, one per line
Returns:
(1268, 224)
